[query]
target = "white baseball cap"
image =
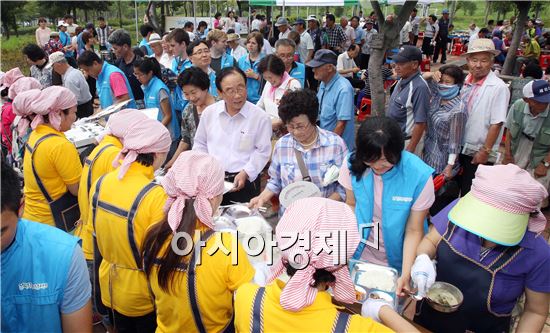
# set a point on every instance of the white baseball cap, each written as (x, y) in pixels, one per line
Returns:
(55, 57)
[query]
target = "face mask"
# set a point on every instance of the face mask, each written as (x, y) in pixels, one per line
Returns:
(447, 91)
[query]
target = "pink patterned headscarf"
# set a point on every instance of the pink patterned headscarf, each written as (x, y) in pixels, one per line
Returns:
(139, 135)
(10, 77)
(22, 107)
(23, 84)
(511, 189)
(194, 175)
(51, 102)
(324, 222)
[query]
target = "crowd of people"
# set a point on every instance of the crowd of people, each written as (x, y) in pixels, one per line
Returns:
(92, 236)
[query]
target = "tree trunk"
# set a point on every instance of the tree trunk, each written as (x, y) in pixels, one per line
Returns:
(151, 14)
(120, 13)
(388, 37)
(6, 29)
(510, 62)
(487, 9)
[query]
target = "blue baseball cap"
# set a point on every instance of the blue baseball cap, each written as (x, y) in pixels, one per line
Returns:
(408, 53)
(539, 90)
(323, 57)
(445, 11)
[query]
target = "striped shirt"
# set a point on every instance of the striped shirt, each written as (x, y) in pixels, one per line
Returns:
(329, 150)
(445, 130)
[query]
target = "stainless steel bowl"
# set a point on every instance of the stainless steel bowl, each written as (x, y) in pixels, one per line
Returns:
(434, 299)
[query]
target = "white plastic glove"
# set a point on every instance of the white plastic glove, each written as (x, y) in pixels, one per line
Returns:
(371, 308)
(423, 274)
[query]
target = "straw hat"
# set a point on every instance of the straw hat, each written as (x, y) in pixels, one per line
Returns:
(482, 45)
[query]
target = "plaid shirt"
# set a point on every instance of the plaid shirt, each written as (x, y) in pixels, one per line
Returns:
(336, 36)
(329, 150)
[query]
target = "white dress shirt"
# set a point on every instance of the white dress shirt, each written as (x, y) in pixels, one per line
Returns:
(239, 142)
(345, 62)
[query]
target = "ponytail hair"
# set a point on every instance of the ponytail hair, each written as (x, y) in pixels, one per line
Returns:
(170, 262)
(149, 64)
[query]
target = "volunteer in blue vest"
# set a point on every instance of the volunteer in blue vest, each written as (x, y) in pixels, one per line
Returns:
(285, 49)
(157, 95)
(218, 51)
(123, 204)
(65, 39)
(192, 297)
(179, 40)
(145, 31)
(391, 191)
(249, 65)
(45, 283)
(112, 84)
(51, 165)
(489, 245)
(199, 53)
(303, 304)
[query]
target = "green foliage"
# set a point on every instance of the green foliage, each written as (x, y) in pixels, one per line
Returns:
(468, 7)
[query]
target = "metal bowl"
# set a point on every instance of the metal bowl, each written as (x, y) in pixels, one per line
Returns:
(437, 297)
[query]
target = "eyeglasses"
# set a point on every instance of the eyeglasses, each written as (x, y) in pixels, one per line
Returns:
(299, 127)
(201, 52)
(235, 91)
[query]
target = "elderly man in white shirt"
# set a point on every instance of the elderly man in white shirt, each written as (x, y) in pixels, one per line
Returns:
(283, 26)
(238, 134)
(348, 31)
(485, 97)
(346, 66)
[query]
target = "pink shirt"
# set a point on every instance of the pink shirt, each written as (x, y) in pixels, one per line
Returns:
(118, 84)
(423, 202)
(42, 36)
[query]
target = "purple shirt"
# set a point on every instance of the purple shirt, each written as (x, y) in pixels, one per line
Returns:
(530, 269)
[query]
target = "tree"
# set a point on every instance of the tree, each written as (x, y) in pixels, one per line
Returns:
(8, 17)
(468, 7)
(510, 62)
(387, 38)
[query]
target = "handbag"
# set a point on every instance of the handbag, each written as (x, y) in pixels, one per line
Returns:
(446, 191)
(65, 210)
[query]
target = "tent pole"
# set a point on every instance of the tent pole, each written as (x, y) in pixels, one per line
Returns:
(210, 13)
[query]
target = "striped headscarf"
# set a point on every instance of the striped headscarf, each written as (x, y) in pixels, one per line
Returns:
(194, 175)
(10, 77)
(139, 135)
(324, 222)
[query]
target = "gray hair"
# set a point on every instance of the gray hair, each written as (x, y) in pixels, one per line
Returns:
(285, 42)
(120, 37)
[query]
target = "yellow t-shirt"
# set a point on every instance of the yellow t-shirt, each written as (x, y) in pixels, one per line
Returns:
(123, 287)
(216, 280)
(57, 163)
(318, 317)
(102, 165)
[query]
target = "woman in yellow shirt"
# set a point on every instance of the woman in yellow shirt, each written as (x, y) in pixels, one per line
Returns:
(51, 166)
(307, 232)
(193, 289)
(124, 203)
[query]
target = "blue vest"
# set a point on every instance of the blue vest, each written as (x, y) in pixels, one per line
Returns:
(103, 85)
(213, 90)
(151, 97)
(299, 73)
(65, 39)
(252, 86)
(227, 60)
(147, 47)
(178, 100)
(34, 275)
(402, 186)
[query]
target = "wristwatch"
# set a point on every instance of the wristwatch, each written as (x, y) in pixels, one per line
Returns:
(546, 164)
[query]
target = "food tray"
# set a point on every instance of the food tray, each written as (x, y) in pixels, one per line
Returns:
(373, 278)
